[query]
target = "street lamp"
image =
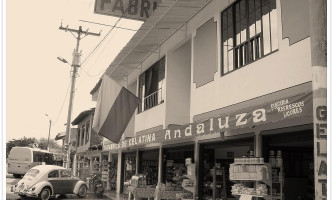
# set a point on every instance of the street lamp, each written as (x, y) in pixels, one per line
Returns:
(48, 139)
(75, 65)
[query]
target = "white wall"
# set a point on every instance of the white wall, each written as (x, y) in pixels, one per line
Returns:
(289, 66)
(178, 72)
(150, 118)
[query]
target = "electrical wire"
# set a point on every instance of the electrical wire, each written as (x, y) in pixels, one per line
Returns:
(97, 46)
(62, 104)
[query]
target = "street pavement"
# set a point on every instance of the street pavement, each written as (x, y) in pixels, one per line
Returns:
(10, 180)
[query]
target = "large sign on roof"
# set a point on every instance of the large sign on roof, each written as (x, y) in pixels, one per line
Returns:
(132, 9)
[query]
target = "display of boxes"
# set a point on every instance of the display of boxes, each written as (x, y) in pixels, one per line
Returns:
(138, 180)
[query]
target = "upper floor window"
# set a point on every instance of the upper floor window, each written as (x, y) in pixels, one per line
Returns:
(78, 137)
(87, 132)
(83, 133)
(150, 85)
(249, 32)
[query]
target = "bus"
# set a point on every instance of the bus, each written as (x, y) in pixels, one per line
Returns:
(21, 159)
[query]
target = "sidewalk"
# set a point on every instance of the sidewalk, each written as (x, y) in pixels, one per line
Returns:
(113, 195)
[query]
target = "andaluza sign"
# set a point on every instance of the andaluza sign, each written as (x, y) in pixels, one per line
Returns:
(290, 107)
(132, 9)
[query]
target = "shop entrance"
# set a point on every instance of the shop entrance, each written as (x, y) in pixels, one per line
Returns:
(113, 165)
(148, 165)
(214, 164)
(174, 167)
(293, 178)
(128, 169)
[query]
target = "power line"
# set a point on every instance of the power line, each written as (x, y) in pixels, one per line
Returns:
(93, 51)
(115, 25)
(62, 105)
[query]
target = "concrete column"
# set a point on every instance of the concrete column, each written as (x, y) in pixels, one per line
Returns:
(258, 144)
(196, 161)
(137, 156)
(160, 163)
(108, 187)
(74, 164)
(318, 23)
(119, 171)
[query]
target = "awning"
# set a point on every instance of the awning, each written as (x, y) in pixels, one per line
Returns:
(60, 136)
(296, 106)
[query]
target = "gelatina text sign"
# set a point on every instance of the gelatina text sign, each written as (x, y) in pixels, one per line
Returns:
(132, 9)
(286, 108)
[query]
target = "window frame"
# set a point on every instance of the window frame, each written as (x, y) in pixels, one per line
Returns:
(48, 175)
(248, 38)
(142, 93)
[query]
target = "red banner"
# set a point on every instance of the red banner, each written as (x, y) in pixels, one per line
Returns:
(286, 108)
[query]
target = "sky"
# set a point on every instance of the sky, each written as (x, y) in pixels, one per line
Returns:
(36, 81)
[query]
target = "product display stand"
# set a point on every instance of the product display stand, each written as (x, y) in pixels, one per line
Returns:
(254, 174)
(277, 183)
(191, 176)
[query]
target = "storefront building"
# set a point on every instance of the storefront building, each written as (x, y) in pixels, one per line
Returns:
(88, 156)
(222, 84)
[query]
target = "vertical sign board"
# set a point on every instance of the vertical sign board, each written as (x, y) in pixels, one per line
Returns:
(132, 9)
(320, 131)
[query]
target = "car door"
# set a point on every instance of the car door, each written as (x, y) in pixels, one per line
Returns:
(54, 179)
(68, 182)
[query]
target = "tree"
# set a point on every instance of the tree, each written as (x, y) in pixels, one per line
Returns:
(42, 143)
(22, 142)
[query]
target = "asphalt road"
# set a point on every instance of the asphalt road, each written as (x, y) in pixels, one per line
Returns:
(10, 180)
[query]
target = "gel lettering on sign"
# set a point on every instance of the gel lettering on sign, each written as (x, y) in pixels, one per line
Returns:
(133, 9)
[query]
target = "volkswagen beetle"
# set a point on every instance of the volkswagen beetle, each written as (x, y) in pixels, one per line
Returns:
(46, 181)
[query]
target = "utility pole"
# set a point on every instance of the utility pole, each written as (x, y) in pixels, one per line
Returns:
(48, 139)
(318, 24)
(75, 65)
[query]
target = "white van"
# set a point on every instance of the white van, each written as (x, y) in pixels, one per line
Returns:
(21, 159)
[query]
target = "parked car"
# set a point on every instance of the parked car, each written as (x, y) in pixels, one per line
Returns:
(46, 181)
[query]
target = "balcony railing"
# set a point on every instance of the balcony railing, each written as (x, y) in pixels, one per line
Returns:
(151, 100)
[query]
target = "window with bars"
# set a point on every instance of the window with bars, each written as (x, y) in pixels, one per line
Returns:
(150, 86)
(249, 32)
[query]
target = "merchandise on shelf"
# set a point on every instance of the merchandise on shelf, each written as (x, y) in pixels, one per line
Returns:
(150, 168)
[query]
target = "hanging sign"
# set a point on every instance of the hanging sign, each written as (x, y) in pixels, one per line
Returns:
(132, 9)
(286, 108)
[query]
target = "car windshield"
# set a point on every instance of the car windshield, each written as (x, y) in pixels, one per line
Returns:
(32, 172)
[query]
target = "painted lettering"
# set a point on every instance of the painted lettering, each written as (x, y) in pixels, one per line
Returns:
(133, 7)
(200, 128)
(153, 137)
(321, 130)
(176, 132)
(322, 168)
(118, 5)
(104, 2)
(323, 186)
(239, 118)
(149, 138)
(226, 123)
(145, 6)
(321, 113)
(188, 131)
(259, 115)
(211, 124)
(319, 153)
(167, 134)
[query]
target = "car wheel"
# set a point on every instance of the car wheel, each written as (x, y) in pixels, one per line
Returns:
(45, 194)
(17, 175)
(82, 191)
